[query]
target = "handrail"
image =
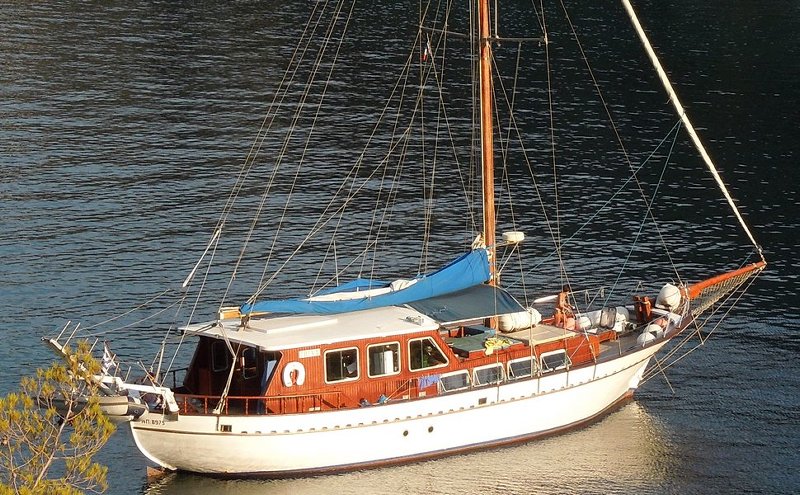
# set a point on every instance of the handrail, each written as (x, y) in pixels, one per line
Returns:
(197, 404)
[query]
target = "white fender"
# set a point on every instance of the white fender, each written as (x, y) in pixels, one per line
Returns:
(297, 367)
(668, 298)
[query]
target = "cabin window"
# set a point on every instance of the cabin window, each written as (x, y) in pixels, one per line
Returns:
(520, 368)
(424, 353)
(556, 360)
(384, 359)
(485, 375)
(341, 364)
(220, 356)
(454, 381)
(249, 363)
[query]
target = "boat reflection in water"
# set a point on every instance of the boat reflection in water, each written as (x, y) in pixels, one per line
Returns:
(626, 452)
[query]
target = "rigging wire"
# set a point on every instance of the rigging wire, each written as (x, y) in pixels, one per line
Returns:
(126, 313)
(614, 128)
(649, 206)
(127, 325)
(293, 126)
(332, 202)
(298, 55)
(687, 123)
(605, 205)
(556, 231)
(354, 187)
(269, 117)
(383, 163)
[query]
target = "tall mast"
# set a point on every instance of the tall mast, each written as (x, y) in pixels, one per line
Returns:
(487, 144)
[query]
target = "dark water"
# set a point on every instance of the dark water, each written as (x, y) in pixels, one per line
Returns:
(122, 127)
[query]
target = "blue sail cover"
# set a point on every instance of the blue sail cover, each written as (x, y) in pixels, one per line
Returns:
(465, 271)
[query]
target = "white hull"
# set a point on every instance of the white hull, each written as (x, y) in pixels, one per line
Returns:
(283, 445)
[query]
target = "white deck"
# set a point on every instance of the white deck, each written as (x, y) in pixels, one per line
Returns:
(287, 332)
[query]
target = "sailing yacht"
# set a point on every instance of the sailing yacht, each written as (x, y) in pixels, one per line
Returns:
(372, 372)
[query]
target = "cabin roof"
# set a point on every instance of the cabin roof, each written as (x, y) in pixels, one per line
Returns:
(276, 333)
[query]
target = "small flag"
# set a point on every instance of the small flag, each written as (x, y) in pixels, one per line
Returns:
(109, 360)
(428, 53)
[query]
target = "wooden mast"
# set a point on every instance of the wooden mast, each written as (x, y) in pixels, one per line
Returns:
(487, 144)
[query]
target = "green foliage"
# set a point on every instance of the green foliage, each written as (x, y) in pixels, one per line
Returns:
(49, 432)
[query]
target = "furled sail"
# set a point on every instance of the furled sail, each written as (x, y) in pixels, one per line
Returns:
(467, 270)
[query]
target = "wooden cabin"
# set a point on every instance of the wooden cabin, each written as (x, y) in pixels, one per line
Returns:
(306, 363)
